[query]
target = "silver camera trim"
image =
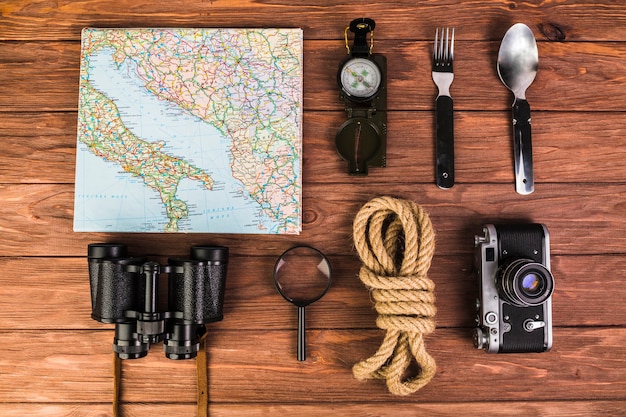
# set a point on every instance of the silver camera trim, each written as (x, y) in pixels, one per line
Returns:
(490, 326)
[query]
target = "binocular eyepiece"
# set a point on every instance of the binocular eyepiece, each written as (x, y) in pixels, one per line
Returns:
(124, 292)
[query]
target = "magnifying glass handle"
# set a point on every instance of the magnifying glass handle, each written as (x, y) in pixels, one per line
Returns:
(301, 337)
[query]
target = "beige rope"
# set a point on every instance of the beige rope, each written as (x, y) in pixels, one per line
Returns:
(396, 242)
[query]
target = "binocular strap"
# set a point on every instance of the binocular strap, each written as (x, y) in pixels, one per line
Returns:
(202, 373)
(117, 381)
(202, 382)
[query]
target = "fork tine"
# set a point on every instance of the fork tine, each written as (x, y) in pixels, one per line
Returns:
(445, 51)
(441, 44)
(451, 57)
(435, 49)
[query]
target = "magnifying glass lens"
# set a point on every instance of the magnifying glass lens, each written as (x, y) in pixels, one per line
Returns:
(302, 275)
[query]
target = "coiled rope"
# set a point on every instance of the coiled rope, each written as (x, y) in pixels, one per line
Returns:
(395, 241)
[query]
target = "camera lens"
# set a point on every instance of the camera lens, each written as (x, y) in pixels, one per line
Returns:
(524, 282)
(532, 284)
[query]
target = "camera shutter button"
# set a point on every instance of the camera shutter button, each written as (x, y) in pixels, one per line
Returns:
(491, 318)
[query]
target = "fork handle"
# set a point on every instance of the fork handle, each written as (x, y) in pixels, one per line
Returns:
(445, 142)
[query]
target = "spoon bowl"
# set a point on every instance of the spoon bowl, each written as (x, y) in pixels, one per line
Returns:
(518, 59)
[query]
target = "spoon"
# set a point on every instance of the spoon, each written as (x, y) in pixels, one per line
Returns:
(518, 59)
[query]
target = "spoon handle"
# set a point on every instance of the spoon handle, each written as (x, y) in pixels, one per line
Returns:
(522, 147)
(445, 142)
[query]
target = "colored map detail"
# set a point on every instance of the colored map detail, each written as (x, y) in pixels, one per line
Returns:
(244, 85)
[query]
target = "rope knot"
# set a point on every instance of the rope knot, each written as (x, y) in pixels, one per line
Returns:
(395, 242)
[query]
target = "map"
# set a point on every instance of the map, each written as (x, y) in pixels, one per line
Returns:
(189, 130)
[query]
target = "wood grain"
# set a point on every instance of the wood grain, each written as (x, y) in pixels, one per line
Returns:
(30, 302)
(242, 364)
(570, 20)
(56, 361)
(350, 409)
(45, 152)
(40, 218)
(581, 75)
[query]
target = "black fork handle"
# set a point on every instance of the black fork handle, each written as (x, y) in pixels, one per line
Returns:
(445, 142)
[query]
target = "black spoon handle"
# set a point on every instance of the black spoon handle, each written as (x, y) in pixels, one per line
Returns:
(522, 147)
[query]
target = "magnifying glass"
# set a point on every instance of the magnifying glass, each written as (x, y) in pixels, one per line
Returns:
(302, 275)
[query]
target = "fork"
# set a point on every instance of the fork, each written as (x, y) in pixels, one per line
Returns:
(443, 74)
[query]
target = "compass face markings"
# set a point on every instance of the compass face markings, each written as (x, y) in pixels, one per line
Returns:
(360, 77)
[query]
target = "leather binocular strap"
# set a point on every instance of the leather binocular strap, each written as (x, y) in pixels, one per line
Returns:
(202, 384)
(202, 373)
(117, 381)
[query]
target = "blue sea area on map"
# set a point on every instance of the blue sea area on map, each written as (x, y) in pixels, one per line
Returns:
(108, 199)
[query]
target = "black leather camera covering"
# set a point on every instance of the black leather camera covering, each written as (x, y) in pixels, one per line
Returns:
(518, 340)
(515, 242)
(519, 241)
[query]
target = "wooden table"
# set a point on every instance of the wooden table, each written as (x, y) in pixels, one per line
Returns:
(56, 361)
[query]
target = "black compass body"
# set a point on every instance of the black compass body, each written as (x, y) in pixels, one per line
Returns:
(362, 139)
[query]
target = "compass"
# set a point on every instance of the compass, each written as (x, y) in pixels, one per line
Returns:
(360, 78)
(362, 139)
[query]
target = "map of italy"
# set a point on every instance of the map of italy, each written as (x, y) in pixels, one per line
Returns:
(192, 130)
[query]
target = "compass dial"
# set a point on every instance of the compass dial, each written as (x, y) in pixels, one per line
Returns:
(360, 78)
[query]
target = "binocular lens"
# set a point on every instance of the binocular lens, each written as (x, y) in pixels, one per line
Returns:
(106, 251)
(126, 345)
(183, 341)
(211, 254)
(525, 283)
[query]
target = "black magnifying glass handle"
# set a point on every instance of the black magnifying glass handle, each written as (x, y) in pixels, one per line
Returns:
(301, 334)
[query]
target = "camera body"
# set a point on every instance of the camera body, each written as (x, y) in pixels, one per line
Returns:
(124, 292)
(515, 285)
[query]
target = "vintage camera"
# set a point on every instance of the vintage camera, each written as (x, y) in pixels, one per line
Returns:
(514, 289)
(124, 291)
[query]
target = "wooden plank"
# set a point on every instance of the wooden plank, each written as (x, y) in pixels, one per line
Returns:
(41, 148)
(53, 293)
(55, 360)
(575, 76)
(38, 219)
(22, 64)
(566, 20)
(259, 366)
(382, 409)
(38, 147)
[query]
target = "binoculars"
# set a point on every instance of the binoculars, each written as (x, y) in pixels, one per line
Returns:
(124, 292)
